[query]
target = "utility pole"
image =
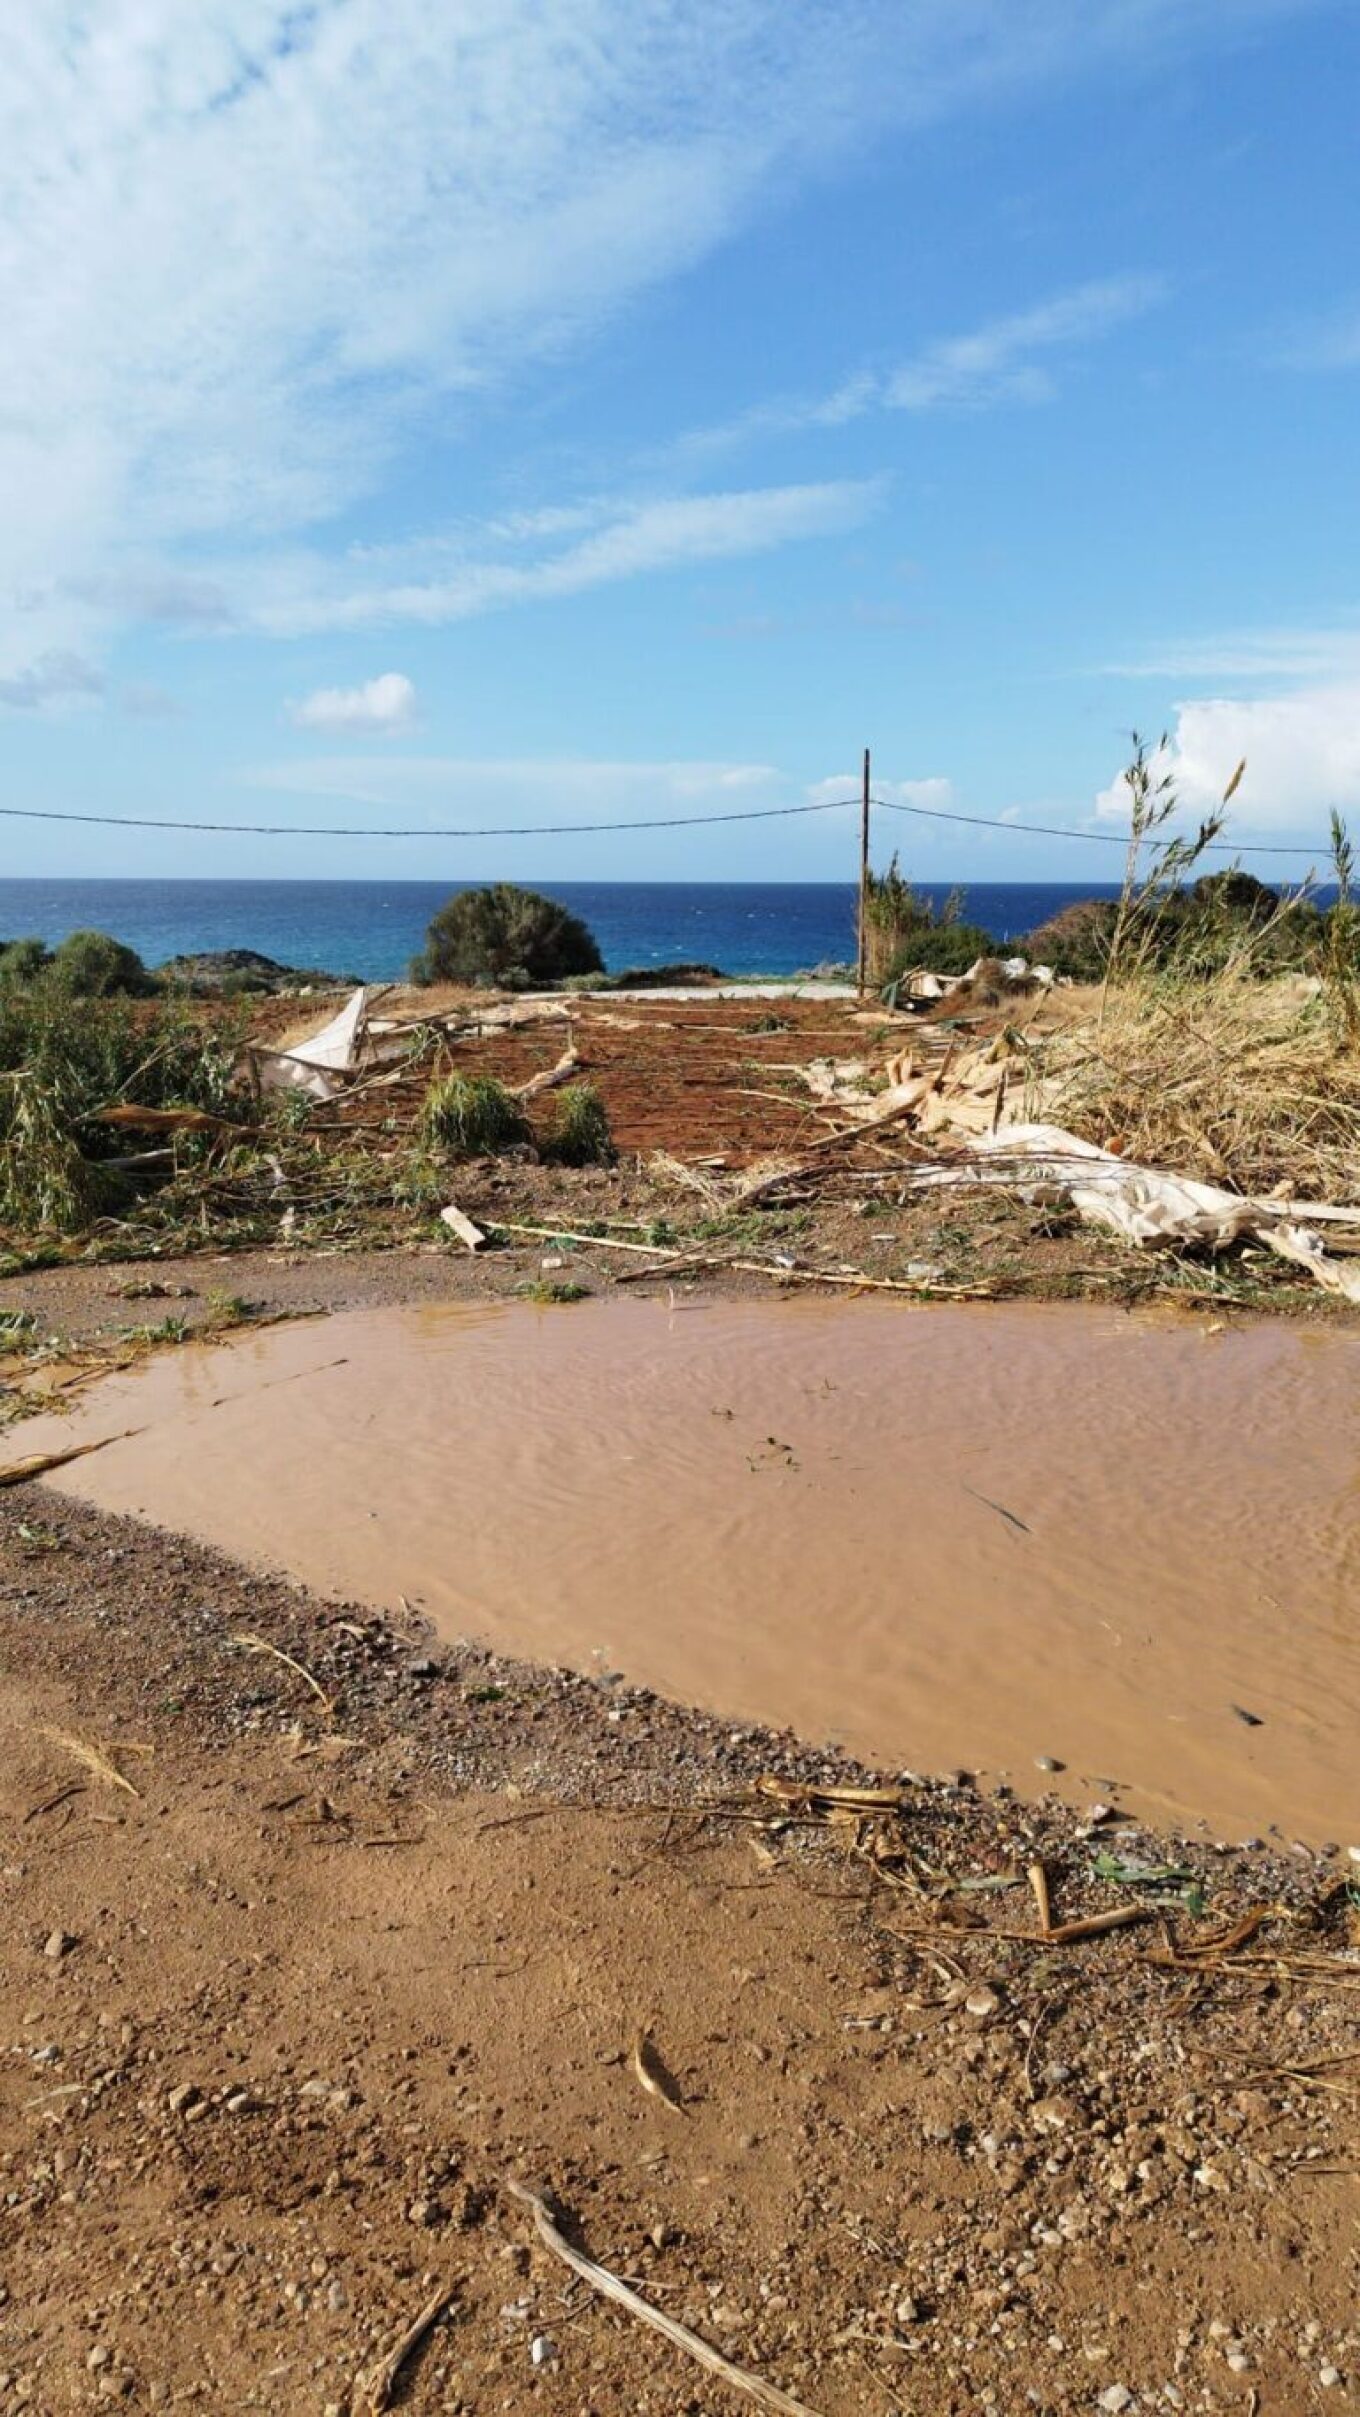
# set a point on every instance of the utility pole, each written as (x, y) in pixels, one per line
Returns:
(863, 968)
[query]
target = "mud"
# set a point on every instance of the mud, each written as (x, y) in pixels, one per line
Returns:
(985, 1537)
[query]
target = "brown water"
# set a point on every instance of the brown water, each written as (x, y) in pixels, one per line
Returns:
(955, 1535)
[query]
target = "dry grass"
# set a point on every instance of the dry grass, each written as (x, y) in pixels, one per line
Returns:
(1249, 1084)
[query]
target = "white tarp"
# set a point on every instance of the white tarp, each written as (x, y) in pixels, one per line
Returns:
(319, 1065)
(1142, 1203)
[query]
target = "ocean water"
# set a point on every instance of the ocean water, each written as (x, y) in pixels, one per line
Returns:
(372, 928)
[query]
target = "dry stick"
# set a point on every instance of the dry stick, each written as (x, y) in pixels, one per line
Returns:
(38, 1463)
(560, 1233)
(609, 2286)
(254, 1644)
(372, 2391)
(814, 1275)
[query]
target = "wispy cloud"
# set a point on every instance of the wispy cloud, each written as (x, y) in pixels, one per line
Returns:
(1005, 360)
(1331, 343)
(54, 678)
(385, 705)
(251, 251)
(1270, 654)
(661, 534)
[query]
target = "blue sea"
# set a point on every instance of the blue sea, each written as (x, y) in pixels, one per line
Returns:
(372, 928)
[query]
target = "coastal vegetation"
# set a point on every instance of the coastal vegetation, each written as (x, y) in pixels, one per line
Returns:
(506, 937)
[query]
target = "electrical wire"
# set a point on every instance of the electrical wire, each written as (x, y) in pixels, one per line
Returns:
(651, 822)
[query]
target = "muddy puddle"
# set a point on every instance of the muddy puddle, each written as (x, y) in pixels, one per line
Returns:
(955, 1536)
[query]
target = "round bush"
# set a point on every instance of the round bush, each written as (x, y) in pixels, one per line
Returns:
(508, 937)
(95, 966)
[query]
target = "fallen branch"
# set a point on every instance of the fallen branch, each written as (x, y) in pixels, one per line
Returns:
(560, 1233)
(38, 1463)
(609, 2286)
(372, 2388)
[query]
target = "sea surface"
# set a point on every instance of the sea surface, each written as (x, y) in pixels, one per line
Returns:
(371, 929)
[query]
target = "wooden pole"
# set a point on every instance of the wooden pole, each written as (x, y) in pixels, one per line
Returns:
(863, 966)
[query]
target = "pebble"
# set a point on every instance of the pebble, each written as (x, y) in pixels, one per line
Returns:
(1329, 2377)
(1114, 2398)
(542, 2350)
(982, 2002)
(1048, 1762)
(182, 2096)
(58, 1944)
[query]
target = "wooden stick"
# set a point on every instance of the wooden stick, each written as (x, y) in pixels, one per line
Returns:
(38, 1463)
(560, 1233)
(609, 2286)
(372, 2390)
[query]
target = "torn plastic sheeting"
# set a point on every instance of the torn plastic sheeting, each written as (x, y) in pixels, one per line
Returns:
(274, 1070)
(317, 1066)
(338, 1045)
(1142, 1203)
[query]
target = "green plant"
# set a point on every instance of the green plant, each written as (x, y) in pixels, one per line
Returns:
(507, 936)
(579, 1135)
(552, 1296)
(1148, 903)
(905, 931)
(23, 960)
(472, 1115)
(44, 1180)
(1342, 945)
(95, 966)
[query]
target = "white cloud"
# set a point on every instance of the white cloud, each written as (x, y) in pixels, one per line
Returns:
(1003, 361)
(664, 534)
(385, 705)
(1302, 753)
(249, 248)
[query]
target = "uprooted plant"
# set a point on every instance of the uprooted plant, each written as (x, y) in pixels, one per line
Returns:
(579, 1135)
(471, 1116)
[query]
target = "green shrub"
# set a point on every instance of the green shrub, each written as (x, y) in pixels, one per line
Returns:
(1075, 941)
(580, 1135)
(505, 936)
(61, 1058)
(94, 966)
(904, 930)
(23, 960)
(943, 948)
(471, 1115)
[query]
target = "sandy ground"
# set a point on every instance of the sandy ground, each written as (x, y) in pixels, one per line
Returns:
(277, 2029)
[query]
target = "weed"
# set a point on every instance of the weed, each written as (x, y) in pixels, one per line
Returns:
(471, 1115)
(549, 1295)
(224, 1309)
(174, 1329)
(580, 1134)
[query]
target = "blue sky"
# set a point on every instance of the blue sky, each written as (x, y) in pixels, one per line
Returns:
(546, 410)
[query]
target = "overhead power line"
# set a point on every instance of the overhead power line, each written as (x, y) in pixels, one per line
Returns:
(649, 822)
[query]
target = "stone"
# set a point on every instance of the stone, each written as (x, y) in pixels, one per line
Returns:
(57, 1944)
(1115, 2398)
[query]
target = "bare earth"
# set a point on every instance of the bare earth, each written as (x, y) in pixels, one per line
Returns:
(278, 2028)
